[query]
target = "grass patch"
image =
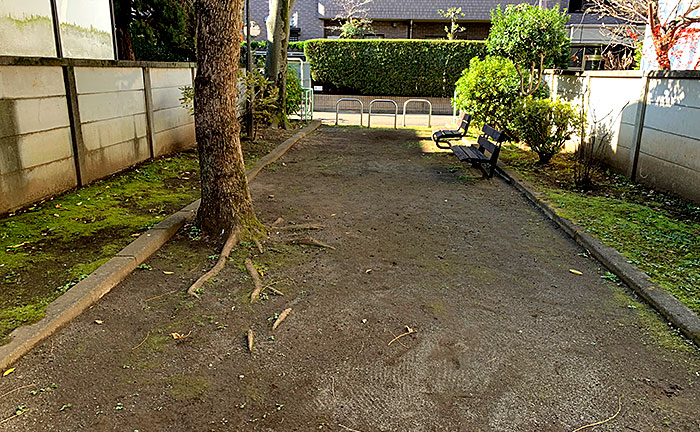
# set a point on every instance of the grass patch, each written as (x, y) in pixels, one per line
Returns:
(48, 247)
(658, 233)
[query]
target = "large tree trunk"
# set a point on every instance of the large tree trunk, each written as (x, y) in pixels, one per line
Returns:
(122, 20)
(277, 44)
(226, 203)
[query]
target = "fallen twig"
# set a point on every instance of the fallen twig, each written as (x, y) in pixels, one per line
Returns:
(274, 290)
(619, 408)
(256, 280)
(310, 242)
(259, 245)
(14, 390)
(225, 252)
(142, 342)
(408, 331)
(333, 386)
(251, 340)
(277, 222)
(282, 317)
(159, 296)
(11, 417)
(300, 227)
(347, 428)
(397, 340)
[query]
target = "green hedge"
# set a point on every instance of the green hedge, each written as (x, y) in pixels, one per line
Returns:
(391, 67)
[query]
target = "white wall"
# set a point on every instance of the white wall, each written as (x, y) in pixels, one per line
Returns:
(668, 115)
(173, 124)
(36, 153)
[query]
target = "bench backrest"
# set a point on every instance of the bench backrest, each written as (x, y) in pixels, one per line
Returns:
(464, 122)
(485, 140)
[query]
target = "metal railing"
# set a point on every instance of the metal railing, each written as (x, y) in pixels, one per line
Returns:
(396, 111)
(337, 106)
(430, 110)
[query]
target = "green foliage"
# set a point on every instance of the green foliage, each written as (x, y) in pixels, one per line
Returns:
(488, 90)
(355, 28)
(532, 37)
(187, 99)
(453, 14)
(545, 125)
(294, 92)
(162, 30)
(394, 67)
(263, 95)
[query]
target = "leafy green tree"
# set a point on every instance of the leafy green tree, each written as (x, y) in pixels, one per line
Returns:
(453, 14)
(158, 30)
(532, 37)
(489, 90)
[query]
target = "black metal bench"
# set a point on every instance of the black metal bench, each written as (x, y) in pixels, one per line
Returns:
(445, 135)
(477, 155)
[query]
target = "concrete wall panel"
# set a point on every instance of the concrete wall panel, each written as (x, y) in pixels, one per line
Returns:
(161, 77)
(679, 120)
(20, 188)
(30, 82)
(176, 139)
(102, 80)
(102, 134)
(669, 176)
(171, 118)
(102, 106)
(164, 98)
(31, 150)
(674, 149)
(105, 161)
(22, 116)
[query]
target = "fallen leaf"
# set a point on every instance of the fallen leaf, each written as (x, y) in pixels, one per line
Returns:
(368, 271)
(7, 372)
(58, 205)
(332, 214)
(168, 272)
(80, 203)
(179, 336)
(576, 272)
(55, 214)
(18, 245)
(99, 322)
(135, 235)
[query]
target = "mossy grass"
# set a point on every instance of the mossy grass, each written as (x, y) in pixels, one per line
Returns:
(50, 246)
(657, 232)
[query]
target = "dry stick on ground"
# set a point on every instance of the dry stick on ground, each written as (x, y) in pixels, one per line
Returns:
(347, 428)
(11, 417)
(300, 227)
(277, 222)
(142, 342)
(619, 408)
(251, 340)
(14, 390)
(282, 317)
(256, 280)
(310, 242)
(408, 331)
(276, 291)
(397, 340)
(259, 245)
(225, 252)
(159, 296)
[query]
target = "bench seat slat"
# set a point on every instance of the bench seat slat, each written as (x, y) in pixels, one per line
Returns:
(467, 153)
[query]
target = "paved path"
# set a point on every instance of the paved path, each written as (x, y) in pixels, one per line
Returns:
(507, 339)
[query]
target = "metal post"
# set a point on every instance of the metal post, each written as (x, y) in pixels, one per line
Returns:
(75, 123)
(56, 29)
(250, 126)
(150, 129)
(639, 127)
(114, 30)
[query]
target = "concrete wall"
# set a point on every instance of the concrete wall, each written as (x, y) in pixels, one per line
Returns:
(36, 153)
(109, 108)
(651, 122)
(112, 106)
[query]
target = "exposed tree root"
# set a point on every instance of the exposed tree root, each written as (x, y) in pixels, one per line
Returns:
(256, 280)
(225, 252)
(251, 340)
(271, 288)
(277, 222)
(300, 227)
(259, 245)
(142, 342)
(14, 390)
(310, 242)
(282, 317)
(619, 408)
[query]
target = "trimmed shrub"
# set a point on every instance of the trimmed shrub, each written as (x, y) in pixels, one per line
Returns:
(390, 67)
(489, 90)
(294, 93)
(545, 125)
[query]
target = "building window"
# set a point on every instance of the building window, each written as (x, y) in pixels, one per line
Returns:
(294, 34)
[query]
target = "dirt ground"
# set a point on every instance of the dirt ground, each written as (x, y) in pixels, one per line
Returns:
(506, 337)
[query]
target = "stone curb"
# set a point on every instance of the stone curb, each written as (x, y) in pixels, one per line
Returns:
(86, 292)
(666, 304)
